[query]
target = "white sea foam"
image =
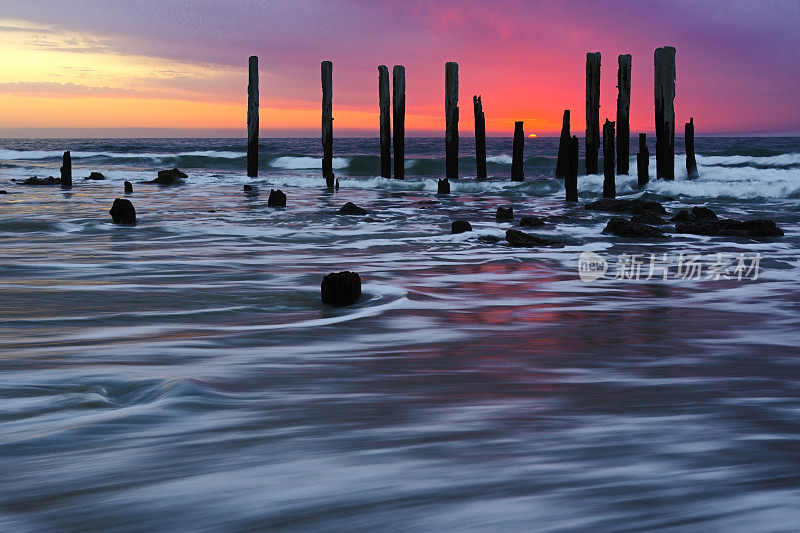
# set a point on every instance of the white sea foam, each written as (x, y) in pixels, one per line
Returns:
(502, 159)
(781, 160)
(307, 162)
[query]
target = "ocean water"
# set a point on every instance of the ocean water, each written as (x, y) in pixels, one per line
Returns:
(182, 374)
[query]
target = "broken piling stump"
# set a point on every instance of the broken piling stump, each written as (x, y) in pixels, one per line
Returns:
(66, 171)
(327, 122)
(571, 178)
(341, 288)
(643, 161)
(443, 186)
(505, 213)
(128, 187)
(277, 198)
(480, 138)
(517, 172)
(252, 118)
(451, 118)
(385, 124)
(399, 120)
(609, 185)
(664, 60)
(562, 163)
(592, 112)
(122, 212)
(623, 113)
(691, 161)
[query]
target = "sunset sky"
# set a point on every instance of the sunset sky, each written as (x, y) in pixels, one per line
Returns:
(164, 68)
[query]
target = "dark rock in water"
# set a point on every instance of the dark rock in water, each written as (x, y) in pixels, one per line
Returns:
(248, 188)
(531, 222)
(122, 212)
(95, 176)
(460, 226)
(627, 228)
(632, 207)
(50, 180)
(520, 239)
(443, 186)
(648, 217)
(277, 198)
(169, 177)
(128, 187)
(3, 192)
(698, 227)
(505, 213)
(754, 229)
(341, 288)
(683, 216)
(488, 239)
(352, 209)
(703, 213)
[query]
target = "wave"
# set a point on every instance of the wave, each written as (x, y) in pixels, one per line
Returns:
(781, 160)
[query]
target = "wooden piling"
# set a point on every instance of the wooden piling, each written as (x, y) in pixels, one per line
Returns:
(451, 118)
(386, 127)
(327, 123)
(609, 184)
(592, 111)
(623, 114)
(571, 164)
(480, 138)
(252, 118)
(66, 171)
(643, 161)
(664, 61)
(399, 119)
(517, 172)
(564, 147)
(691, 161)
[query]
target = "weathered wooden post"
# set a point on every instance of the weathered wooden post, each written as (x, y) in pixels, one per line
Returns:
(643, 161)
(609, 185)
(517, 173)
(327, 123)
(571, 162)
(480, 138)
(592, 111)
(399, 119)
(564, 147)
(623, 114)
(691, 161)
(664, 60)
(252, 119)
(386, 128)
(66, 171)
(451, 118)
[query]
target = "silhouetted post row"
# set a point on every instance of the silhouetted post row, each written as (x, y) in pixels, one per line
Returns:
(451, 118)
(385, 124)
(609, 184)
(480, 138)
(252, 118)
(664, 61)
(691, 161)
(517, 172)
(399, 119)
(327, 123)
(643, 161)
(623, 113)
(564, 146)
(592, 111)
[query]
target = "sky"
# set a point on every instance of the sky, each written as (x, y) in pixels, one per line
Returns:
(179, 68)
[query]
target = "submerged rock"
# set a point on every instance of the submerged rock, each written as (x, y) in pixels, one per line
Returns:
(631, 207)
(704, 213)
(352, 209)
(49, 180)
(128, 187)
(628, 228)
(488, 239)
(460, 226)
(520, 239)
(505, 213)
(703, 221)
(531, 222)
(341, 288)
(683, 216)
(276, 198)
(649, 218)
(122, 212)
(95, 176)
(248, 188)
(169, 177)
(443, 186)
(3, 192)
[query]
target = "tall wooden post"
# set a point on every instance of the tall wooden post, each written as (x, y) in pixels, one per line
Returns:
(480, 138)
(609, 185)
(564, 146)
(252, 118)
(399, 120)
(327, 123)
(623, 114)
(66, 171)
(571, 163)
(664, 60)
(451, 117)
(592, 111)
(691, 161)
(386, 127)
(517, 172)
(643, 161)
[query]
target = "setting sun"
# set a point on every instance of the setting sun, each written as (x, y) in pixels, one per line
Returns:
(532, 136)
